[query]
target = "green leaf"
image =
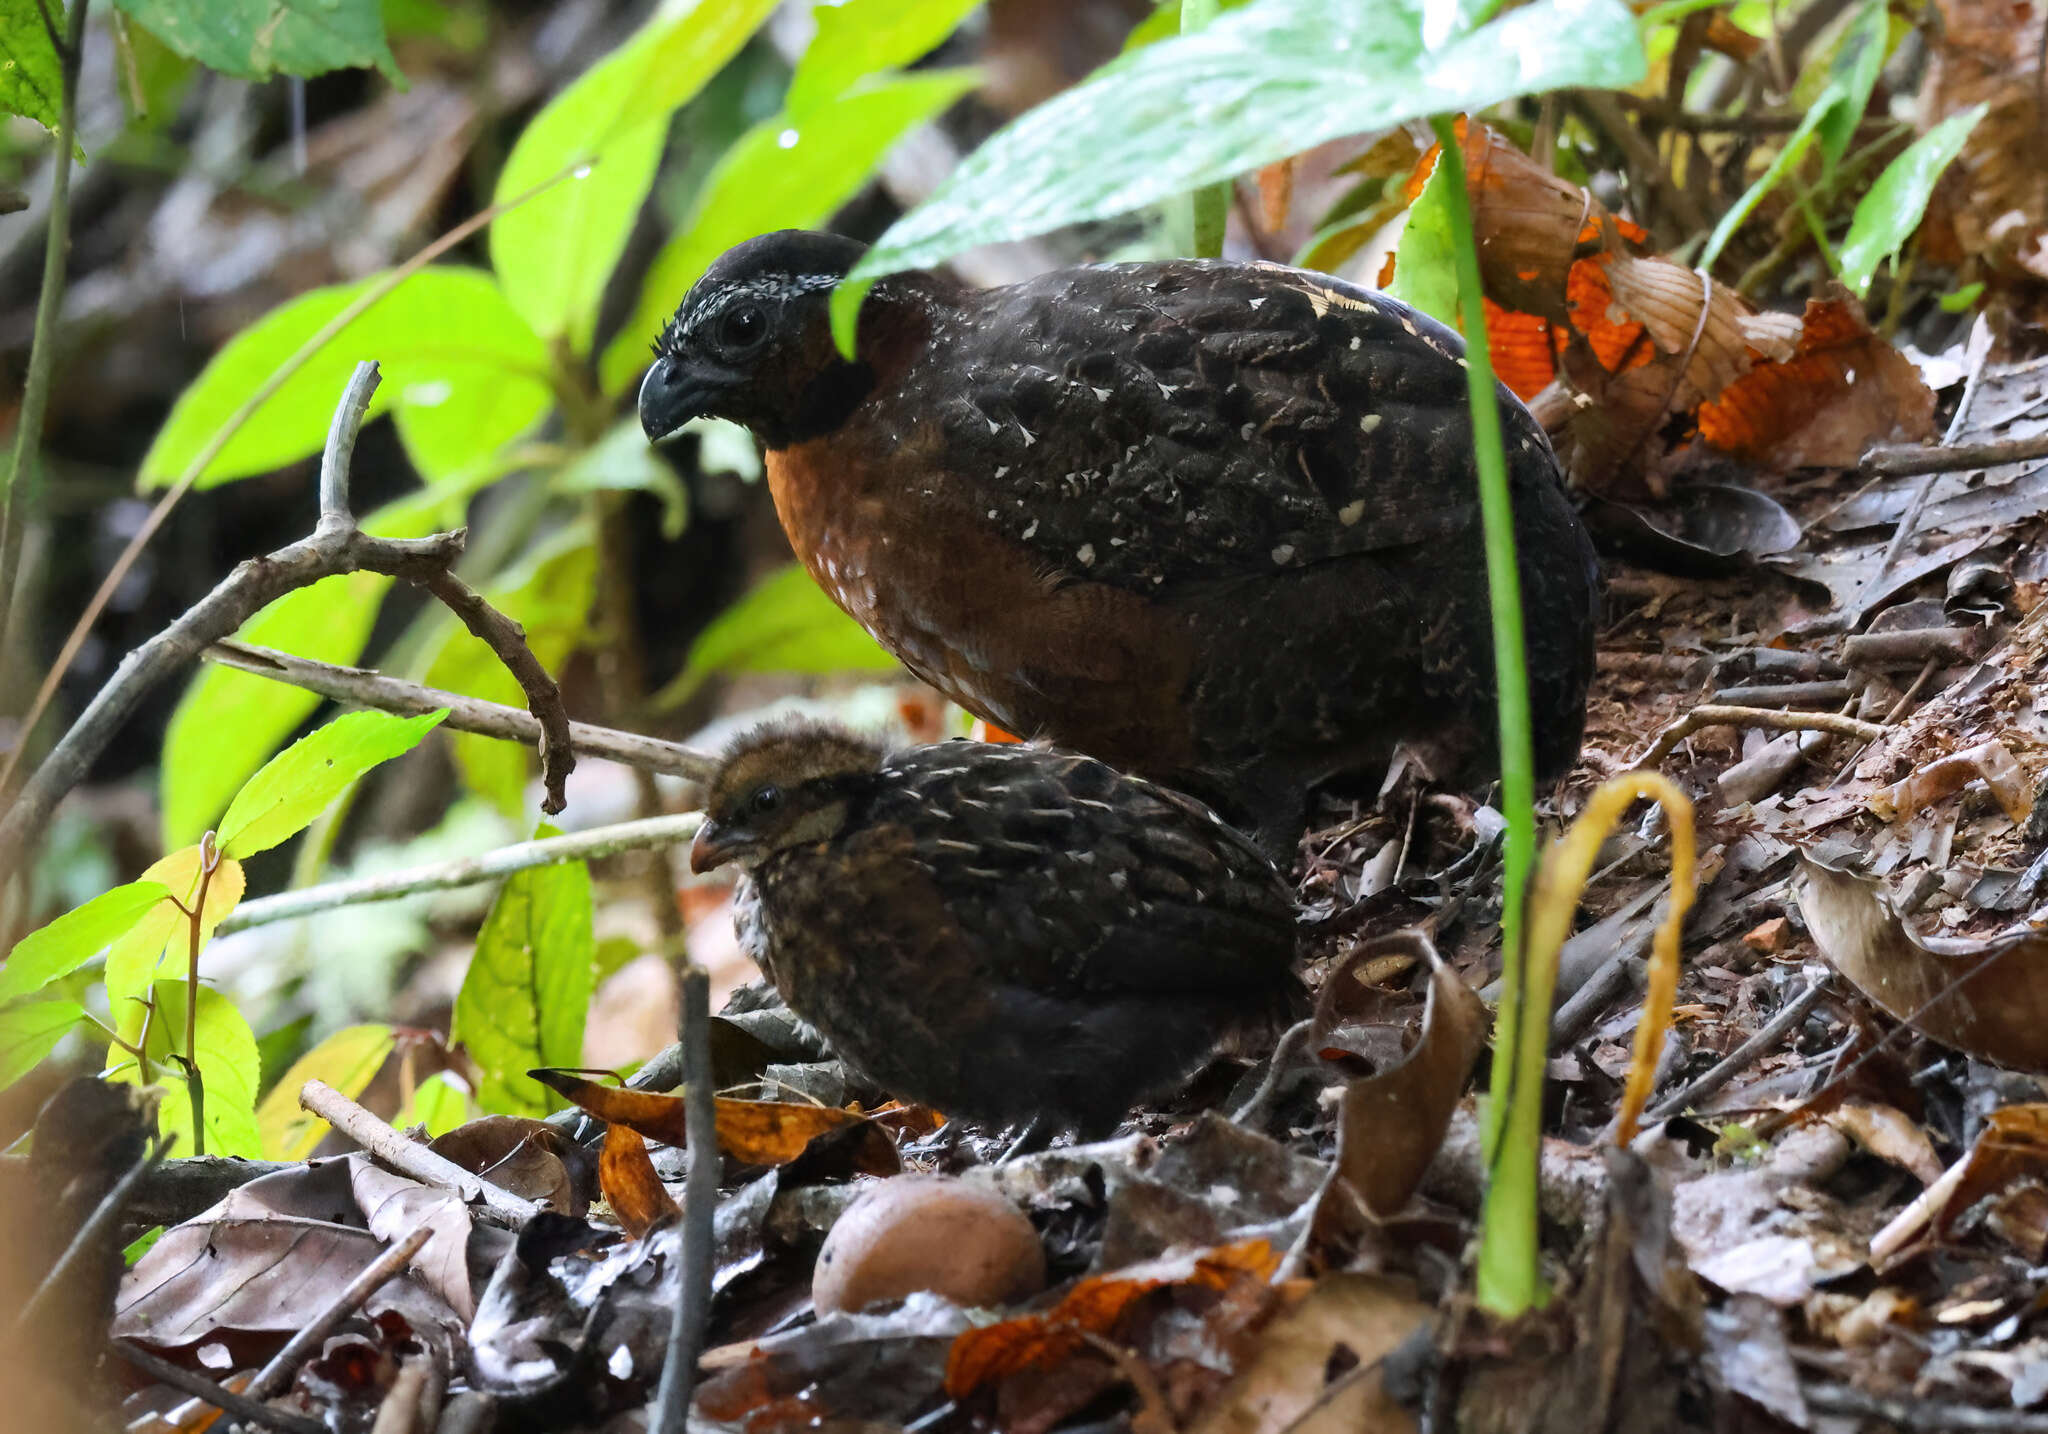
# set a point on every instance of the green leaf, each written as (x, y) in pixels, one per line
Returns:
(227, 1061)
(555, 253)
(1425, 265)
(528, 989)
(623, 461)
(549, 593)
(1795, 149)
(438, 1103)
(76, 937)
(346, 1060)
(1853, 77)
(296, 785)
(781, 174)
(135, 959)
(1961, 300)
(30, 1031)
(1887, 216)
(31, 82)
(1260, 84)
(230, 723)
(252, 39)
(463, 371)
(785, 624)
(856, 38)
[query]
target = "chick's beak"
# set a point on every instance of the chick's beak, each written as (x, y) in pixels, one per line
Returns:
(669, 398)
(712, 848)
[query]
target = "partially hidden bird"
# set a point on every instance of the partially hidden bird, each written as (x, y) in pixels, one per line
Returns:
(1215, 523)
(1006, 933)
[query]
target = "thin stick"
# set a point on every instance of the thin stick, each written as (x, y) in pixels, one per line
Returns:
(1909, 522)
(275, 1375)
(498, 1205)
(1747, 1054)
(1713, 716)
(360, 687)
(225, 1400)
(1905, 461)
(691, 1303)
(98, 1228)
(469, 871)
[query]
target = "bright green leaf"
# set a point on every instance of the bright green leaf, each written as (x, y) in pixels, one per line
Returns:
(623, 461)
(31, 84)
(1854, 76)
(163, 937)
(463, 371)
(1887, 216)
(555, 253)
(1425, 269)
(297, 784)
(779, 175)
(30, 1031)
(528, 989)
(438, 1103)
(253, 39)
(785, 624)
(227, 1061)
(346, 1060)
(857, 38)
(230, 723)
(1961, 300)
(76, 937)
(1258, 85)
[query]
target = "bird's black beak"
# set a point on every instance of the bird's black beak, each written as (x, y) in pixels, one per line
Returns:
(669, 398)
(713, 848)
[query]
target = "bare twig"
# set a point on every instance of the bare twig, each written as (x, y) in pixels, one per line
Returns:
(360, 687)
(276, 1374)
(691, 1302)
(498, 1205)
(200, 1387)
(1711, 716)
(1909, 522)
(336, 546)
(1782, 694)
(1906, 460)
(470, 871)
(98, 1228)
(1748, 1053)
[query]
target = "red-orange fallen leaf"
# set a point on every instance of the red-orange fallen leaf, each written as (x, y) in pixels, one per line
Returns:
(759, 1132)
(630, 1186)
(1093, 1307)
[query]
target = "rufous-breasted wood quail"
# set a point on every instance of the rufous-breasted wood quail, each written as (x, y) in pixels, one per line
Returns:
(1005, 933)
(1215, 523)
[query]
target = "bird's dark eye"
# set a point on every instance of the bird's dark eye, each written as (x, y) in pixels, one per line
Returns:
(742, 327)
(765, 800)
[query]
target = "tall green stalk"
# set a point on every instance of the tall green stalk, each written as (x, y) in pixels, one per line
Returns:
(1209, 206)
(1509, 1282)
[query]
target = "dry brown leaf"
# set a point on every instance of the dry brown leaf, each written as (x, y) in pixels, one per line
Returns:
(759, 1132)
(528, 1157)
(1991, 761)
(1993, 202)
(1890, 1134)
(630, 1186)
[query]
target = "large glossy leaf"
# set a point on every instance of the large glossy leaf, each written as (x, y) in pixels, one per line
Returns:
(785, 624)
(463, 371)
(555, 253)
(1259, 84)
(528, 989)
(162, 940)
(1887, 216)
(29, 81)
(783, 173)
(228, 1062)
(856, 38)
(30, 1031)
(253, 39)
(298, 783)
(346, 1060)
(76, 937)
(230, 723)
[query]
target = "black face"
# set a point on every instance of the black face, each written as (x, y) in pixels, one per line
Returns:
(752, 343)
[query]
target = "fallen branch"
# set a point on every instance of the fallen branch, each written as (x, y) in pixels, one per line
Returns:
(691, 1307)
(408, 1157)
(469, 871)
(336, 546)
(275, 1375)
(253, 1411)
(1909, 460)
(1712, 716)
(1748, 1053)
(360, 687)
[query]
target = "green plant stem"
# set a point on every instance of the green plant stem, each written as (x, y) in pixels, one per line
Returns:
(1209, 206)
(42, 358)
(209, 861)
(1507, 1286)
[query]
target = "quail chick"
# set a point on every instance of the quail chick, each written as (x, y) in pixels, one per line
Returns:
(1002, 932)
(1215, 523)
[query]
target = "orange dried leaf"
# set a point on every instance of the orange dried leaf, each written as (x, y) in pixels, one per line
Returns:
(630, 1186)
(759, 1132)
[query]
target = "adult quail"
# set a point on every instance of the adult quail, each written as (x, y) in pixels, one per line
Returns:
(1215, 523)
(1005, 933)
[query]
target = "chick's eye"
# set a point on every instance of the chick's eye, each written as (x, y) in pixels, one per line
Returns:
(742, 326)
(767, 799)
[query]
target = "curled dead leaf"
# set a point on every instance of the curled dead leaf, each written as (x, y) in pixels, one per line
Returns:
(1992, 761)
(759, 1132)
(630, 1186)
(2011, 1151)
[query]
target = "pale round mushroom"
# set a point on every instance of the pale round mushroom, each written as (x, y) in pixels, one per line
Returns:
(928, 1232)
